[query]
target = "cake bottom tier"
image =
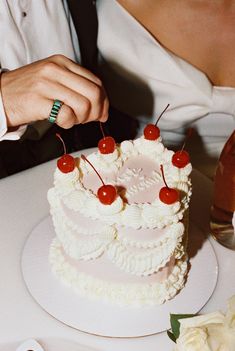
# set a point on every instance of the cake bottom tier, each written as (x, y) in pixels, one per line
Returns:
(100, 279)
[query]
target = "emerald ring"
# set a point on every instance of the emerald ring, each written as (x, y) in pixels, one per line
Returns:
(55, 110)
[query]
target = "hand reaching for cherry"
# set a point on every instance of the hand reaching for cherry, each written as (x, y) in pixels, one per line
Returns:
(28, 93)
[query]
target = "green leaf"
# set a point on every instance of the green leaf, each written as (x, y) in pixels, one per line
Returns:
(175, 324)
(171, 336)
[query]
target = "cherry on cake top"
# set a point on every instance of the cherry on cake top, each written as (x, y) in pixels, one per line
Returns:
(107, 144)
(107, 193)
(167, 195)
(151, 131)
(66, 163)
(181, 158)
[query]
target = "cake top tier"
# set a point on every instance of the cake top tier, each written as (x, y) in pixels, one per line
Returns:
(134, 169)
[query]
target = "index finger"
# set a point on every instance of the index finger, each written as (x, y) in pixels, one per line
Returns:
(76, 68)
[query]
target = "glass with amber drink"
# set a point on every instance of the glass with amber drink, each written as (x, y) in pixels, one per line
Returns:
(222, 211)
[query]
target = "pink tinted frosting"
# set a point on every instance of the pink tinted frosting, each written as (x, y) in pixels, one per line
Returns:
(146, 168)
(141, 234)
(103, 268)
(81, 221)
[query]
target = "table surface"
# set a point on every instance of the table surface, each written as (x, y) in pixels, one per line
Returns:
(23, 204)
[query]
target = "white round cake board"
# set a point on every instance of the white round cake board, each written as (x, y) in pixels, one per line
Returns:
(101, 318)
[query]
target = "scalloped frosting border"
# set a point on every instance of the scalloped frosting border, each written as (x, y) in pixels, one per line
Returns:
(153, 255)
(122, 294)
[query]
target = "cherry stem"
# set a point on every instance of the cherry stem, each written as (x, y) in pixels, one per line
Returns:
(188, 135)
(102, 130)
(163, 176)
(59, 136)
(162, 113)
(85, 159)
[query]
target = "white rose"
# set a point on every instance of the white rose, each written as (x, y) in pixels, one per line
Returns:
(192, 339)
(210, 332)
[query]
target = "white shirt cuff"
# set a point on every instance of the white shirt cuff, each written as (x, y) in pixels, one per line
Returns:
(4, 133)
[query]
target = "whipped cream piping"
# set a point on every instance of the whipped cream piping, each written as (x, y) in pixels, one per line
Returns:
(57, 209)
(143, 261)
(144, 184)
(175, 231)
(123, 294)
(105, 237)
(136, 216)
(78, 241)
(65, 182)
(128, 174)
(80, 246)
(102, 162)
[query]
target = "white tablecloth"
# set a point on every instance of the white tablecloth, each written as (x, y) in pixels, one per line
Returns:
(23, 204)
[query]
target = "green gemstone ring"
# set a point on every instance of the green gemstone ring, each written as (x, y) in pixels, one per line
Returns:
(55, 110)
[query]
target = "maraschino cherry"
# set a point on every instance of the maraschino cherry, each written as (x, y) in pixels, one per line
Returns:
(107, 193)
(181, 158)
(66, 163)
(151, 131)
(167, 195)
(107, 144)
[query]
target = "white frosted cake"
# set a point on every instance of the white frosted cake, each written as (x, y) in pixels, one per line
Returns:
(131, 251)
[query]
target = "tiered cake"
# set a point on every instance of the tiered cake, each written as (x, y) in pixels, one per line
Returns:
(131, 251)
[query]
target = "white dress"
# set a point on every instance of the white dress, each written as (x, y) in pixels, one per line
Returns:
(142, 77)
